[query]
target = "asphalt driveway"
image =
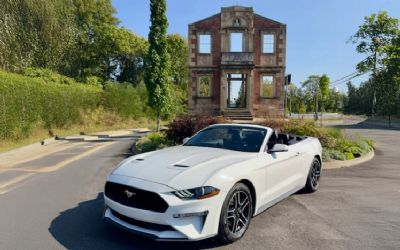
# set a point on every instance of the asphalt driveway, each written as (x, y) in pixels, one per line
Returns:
(355, 208)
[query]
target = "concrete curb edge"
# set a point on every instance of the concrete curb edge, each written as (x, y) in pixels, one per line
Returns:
(345, 164)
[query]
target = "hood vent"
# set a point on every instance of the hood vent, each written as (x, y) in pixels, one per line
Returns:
(180, 166)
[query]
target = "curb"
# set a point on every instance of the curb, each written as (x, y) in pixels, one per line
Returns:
(350, 163)
(47, 141)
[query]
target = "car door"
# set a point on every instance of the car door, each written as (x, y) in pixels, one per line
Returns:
(283, 173)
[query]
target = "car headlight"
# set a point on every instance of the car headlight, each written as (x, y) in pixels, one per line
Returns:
(196, 193)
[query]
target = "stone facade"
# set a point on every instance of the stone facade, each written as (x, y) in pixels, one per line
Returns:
(233, 79)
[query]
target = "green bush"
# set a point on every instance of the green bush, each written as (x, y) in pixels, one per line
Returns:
(336, 145)
(349, 156)
(126, 100)
(26, 102)
(326, 156)
(335, 155)
(151, 142)
(47, 76)
(46, 99)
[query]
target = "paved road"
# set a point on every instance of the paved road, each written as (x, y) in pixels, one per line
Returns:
(355, 208)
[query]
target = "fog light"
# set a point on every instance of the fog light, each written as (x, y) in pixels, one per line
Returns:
(190, 214)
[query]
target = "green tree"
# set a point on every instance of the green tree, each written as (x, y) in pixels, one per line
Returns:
(179, 71)
(311, 86)
(35, 33)
(177, 48)
(130, 56)
(317, 87)
(372, 37)
(323, 88)
(389, 89)
(96, 38)
(334, 102)
(157, 62)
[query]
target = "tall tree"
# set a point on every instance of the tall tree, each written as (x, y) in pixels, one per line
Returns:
(389, 90)
(318, 88)
(96, 38)
(178, 52)
(372, 37)
(129, 58)
(324, 82)
(35, 33)
(157, 62)
(311, 86)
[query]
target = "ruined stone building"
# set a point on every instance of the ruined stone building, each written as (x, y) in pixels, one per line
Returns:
(237, 64)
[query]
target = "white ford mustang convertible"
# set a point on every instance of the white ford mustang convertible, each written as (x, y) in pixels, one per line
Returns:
(213, 184)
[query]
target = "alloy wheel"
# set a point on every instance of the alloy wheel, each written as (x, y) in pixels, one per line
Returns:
(238, 212)
(315, 174)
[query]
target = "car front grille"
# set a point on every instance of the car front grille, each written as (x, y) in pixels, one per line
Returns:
(134, 197)
(142, 224)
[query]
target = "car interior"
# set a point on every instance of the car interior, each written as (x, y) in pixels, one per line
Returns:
(245, 140)
(283, 138)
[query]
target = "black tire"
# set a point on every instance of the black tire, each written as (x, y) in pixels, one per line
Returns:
(236, 214)
(314, 176)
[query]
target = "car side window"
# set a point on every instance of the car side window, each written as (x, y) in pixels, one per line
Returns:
(272, 140)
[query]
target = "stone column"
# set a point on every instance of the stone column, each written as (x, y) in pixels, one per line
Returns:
(249, 93)
(223, 91)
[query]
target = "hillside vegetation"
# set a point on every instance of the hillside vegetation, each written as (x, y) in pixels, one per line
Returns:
(53, 101)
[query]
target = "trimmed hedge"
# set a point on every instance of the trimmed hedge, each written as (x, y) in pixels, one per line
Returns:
(27, 101)
(126, 100)
(49, 100)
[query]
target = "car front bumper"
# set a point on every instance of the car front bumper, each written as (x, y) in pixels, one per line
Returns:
(183, 220)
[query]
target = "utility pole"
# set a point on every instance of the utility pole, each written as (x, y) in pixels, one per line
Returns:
(376, 42)
(316, 91)
(285, 103)
(288, 79)
(290, 104)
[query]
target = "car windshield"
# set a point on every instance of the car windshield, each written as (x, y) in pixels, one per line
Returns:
(238, 138)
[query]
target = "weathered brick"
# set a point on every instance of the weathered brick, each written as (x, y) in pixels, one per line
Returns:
(253, 26)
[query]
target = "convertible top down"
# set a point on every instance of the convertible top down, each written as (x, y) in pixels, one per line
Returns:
(213, 184)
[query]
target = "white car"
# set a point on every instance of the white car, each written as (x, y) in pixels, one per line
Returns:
(213, 184)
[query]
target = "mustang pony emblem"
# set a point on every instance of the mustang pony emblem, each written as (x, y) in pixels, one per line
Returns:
(129, 193)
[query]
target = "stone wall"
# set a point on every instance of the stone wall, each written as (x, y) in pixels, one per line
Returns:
(253, 26)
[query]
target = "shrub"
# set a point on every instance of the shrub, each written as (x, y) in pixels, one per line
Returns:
(349, 156)
(127, 100)
(46, 99)
(371, 143)
(47, 76)
(151, 142)
(26, 102)
(336, 155)
(188, 125)
(336, 145)
(326, 155)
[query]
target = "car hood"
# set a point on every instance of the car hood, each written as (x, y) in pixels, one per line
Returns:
(180, 167)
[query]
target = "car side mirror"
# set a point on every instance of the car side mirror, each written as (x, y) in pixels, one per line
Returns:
(185, 140)
(279, 148)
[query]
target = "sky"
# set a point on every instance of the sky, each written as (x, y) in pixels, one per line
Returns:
(318, 31)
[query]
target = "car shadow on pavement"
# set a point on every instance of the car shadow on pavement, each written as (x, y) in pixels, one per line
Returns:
(82, 227)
